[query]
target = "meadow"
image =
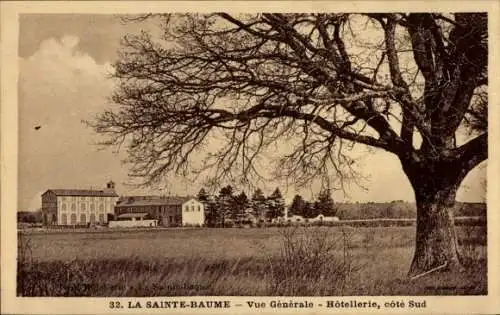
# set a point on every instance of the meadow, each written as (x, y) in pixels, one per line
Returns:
(308, 261)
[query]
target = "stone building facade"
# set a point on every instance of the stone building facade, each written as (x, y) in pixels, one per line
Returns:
(78, 206)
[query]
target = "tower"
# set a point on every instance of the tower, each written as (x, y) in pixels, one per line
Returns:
(110, 185)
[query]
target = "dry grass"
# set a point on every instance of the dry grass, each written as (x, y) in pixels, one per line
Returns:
(306, 261)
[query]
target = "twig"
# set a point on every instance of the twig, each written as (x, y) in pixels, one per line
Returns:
(429, 271)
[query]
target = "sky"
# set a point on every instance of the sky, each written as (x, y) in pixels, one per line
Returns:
(64, 63)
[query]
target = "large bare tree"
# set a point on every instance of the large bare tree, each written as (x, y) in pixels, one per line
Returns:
(315, 85)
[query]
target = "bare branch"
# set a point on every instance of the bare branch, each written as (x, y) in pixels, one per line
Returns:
(242, 84)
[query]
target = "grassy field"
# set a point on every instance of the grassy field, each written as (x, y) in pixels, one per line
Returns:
(271, 261)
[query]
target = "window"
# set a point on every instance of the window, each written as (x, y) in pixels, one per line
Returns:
(64, 219)
(101, 217)
(198, 208)
(92, 218)
(73, 218)
(83, 219)
(192, 208)
(92, 207)
(63, 207)
(101, 207)
(82, 206)
(186, 208)
(73, 207)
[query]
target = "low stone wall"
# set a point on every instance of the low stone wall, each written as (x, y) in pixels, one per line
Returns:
(136, 223)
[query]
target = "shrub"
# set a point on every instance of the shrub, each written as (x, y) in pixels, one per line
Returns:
(309, 263)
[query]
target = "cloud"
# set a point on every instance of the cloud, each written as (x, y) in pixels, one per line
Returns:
(61, 78)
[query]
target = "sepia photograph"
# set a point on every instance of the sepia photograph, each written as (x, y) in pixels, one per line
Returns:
(220, 153)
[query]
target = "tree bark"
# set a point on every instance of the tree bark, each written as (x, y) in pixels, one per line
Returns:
(436, 241)
(436, 244)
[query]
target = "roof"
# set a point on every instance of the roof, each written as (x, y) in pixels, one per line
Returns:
(83, 192)
(133, 215)
(137, 201)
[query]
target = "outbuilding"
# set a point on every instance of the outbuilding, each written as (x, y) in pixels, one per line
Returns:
(193, 213)
(133, 220)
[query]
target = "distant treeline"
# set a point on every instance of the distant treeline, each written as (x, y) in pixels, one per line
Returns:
(400, 210)
(29, 216)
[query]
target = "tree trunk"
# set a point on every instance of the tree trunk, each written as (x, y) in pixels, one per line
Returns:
(436, 240)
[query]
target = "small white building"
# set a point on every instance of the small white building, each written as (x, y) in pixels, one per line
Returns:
(295, 219)
(193, 213)
(322, 218)
(133, 220)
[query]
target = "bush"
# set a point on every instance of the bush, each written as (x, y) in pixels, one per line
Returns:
(308, 263)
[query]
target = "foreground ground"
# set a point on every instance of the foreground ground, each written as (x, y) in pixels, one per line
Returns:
(273, 261)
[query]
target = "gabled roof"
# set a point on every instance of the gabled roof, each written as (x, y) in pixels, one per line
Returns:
(83, 192)
(137, 201)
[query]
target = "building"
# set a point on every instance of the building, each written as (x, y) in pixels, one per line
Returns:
(295, 219)
(78, 206)
(133, 220)
(168, 210)
(322, 218)
(193, 213)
